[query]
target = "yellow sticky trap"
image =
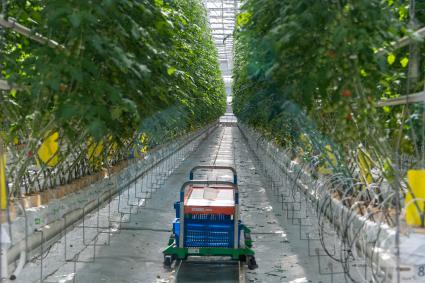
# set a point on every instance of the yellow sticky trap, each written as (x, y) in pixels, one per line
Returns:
(3, 188)
(331, 156)
(305, 143)
(143, 138)
(49, 149)
(113, 147)
(326, 168)
(324, 171)
(94, 154)
(142, 148)
(365, 164)
(416, 179)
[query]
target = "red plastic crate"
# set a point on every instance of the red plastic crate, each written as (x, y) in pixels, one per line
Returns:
(210, 200)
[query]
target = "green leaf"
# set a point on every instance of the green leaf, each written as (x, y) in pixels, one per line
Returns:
(171, 71)
(68, 111)
(13, 92)
(391, 58)
(243, 19)
(403, 12)
(116, 113)
(96, 129)
(404, 62)
(75, 20)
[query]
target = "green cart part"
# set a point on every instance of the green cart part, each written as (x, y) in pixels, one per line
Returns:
(183, 253)
(247, 236)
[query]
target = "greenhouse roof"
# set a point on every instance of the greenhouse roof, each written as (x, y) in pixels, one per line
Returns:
(222, 14)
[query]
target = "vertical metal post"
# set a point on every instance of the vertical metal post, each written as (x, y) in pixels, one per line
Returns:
(236, 222)
(414, 49)
(3, 183)
(4, 237)
(181, 236)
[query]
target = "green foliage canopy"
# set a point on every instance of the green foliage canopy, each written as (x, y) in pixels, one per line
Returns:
(121, 68)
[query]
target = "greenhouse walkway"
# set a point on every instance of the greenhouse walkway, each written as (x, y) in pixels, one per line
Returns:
(134, 253)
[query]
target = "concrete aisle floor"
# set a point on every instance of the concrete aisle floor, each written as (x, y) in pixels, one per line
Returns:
(135, 253)
(281, 255)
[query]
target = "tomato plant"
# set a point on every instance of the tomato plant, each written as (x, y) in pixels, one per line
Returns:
(119, 69)
(317, 68)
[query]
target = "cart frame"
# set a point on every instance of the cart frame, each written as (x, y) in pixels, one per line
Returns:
(237, 252)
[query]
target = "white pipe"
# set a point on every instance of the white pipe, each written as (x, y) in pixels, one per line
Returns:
(4, 246)
(3, 260)
(21, 263)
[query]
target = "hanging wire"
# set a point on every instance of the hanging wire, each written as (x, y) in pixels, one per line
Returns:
(4, 7)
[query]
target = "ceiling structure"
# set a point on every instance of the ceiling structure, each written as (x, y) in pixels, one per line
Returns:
(222, 16)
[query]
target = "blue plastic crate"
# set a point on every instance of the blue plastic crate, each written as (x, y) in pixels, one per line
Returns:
(206, 232)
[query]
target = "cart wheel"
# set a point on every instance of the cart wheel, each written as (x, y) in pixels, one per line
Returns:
(168, 260)
(252, 264)
(242, 258)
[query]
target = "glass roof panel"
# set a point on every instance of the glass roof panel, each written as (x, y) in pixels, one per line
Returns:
(222, 15)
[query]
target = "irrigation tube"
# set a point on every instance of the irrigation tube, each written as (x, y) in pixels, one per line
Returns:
(52, 231)
(377, 240)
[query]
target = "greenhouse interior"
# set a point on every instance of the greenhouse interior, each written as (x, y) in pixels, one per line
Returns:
(166, 141)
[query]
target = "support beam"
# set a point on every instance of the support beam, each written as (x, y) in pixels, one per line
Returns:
(404, 41)
(12, 24)
(402, 100)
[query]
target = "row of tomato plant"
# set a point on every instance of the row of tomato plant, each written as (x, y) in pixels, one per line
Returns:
(124, 75)
(313, 71)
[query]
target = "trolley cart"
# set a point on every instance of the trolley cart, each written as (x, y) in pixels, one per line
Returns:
(207, 222)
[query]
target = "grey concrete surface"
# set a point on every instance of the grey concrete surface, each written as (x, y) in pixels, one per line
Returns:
(212, 272)
(134, 253)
